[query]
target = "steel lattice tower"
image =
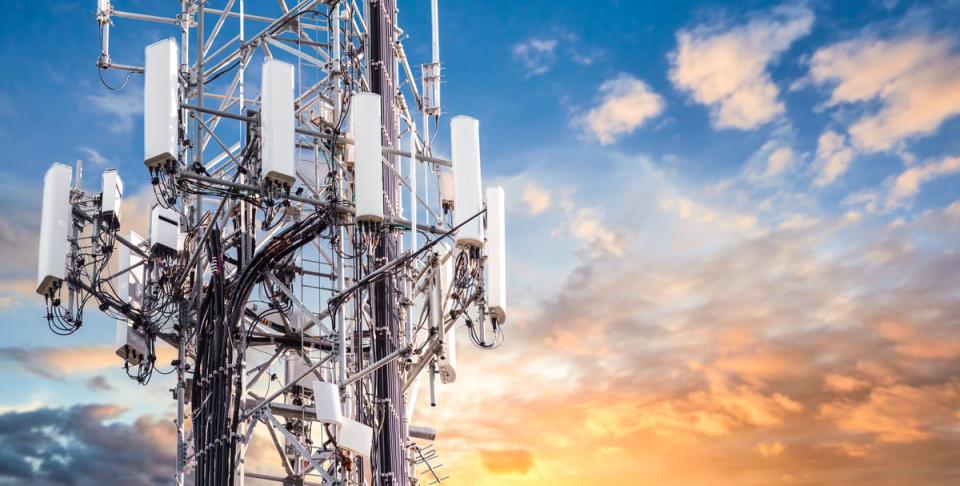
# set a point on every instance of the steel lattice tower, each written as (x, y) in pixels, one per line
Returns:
(303, 228)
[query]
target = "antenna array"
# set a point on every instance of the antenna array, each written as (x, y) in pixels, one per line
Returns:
(303, 231)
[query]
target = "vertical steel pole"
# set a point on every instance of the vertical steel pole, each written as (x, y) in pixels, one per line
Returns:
(181, 334)
(390, 460)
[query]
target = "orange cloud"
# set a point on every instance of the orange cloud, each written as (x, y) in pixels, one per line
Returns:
(897, 414)
(507, 461)
(694, 369)
(769, 449)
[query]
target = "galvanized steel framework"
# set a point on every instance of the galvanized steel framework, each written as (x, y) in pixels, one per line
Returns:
(364, 306)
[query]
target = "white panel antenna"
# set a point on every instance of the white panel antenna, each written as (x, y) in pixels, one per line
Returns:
(111, 196)
(326, 397)
(496, 255)
(164, 229)
(465, 154)
(129, 285)
(447, 363)
(130, 344)
(355, 437)
(160, 104)
(55, 221)
(368, 168)
(277, 123)
(447, 192)
(277, 201)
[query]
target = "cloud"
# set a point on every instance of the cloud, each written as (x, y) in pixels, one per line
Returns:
(587, 225)
(907, 184)
(94, 156)
(839, 383)
(19, 228)
(726, 69)
(771, 449)
(834, 337)
(912, 80)
(897, 414)
(626, 103)
(779, 161)
(537, 199)
(77, 446)
(535, 55)
(13, 293)
(122, 108)
(99, 383)
(833, 157)
(930, 345)
(58, 362)
(508, 461)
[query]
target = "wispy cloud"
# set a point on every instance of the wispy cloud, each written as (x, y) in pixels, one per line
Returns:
(99, 383)
(727, 68)
(121, 108)
(908, 183)
(56, 363)
(833, 157)
(94, 156)
(536, 55)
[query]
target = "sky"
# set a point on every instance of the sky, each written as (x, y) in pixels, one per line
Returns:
(733, 235)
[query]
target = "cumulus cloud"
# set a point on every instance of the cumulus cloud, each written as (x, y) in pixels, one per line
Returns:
(535, 55)
(913, 81)
(726, 69)
(85, 446)
(625, 104)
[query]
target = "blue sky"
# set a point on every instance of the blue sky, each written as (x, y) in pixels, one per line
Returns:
(645, 147)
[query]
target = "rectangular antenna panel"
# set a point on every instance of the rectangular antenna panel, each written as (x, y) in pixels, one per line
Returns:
(465, 152)
(296, 366)
(160, 103)
(129, 285)
(111, 196)
(326, 396)
(447, 193)
(130, 344)
(368, 150)
(355, 437)
(448, 360)
(164, 229)
(277, 123)
(496, 255)
(55, 221)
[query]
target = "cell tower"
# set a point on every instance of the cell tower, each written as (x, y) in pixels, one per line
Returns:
(303, 228)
